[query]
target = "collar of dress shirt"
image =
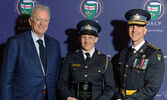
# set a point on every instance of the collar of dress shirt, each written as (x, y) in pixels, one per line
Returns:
(138, 46)
(35, 38)
(91, 53)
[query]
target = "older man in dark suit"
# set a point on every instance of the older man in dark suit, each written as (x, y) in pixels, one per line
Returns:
(31, 61)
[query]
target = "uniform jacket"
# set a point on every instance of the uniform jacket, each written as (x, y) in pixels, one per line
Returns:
(143, 71)
(22, 75)
(74, 70)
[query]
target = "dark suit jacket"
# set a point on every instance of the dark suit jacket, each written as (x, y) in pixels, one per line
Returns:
(22, 75)
(75, 70)
(143, 71)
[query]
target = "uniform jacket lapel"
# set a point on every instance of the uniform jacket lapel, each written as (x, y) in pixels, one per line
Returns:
(140, 52)
(94, 57)
(80, 56)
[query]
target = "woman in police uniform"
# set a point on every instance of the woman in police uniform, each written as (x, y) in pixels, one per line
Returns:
(87, 69)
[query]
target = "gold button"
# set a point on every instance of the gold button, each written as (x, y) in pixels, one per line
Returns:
(123, 85)
(86, 75)
(86, 66)
(125, 75)
(99, 71)
(127, 66)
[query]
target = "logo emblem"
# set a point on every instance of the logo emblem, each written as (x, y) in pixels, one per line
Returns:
(85, 86)
(24, 7)
(156, 8)
(90, 9)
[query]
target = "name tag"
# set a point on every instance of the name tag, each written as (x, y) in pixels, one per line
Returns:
(77, 65)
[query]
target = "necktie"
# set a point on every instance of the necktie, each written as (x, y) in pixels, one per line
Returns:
(132, 51)
(87, 57)
(42, 52)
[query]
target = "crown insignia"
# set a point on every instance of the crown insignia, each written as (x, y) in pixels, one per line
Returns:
(136, 17)
(88, 27)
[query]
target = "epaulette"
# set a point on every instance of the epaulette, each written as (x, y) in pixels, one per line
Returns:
(153, 47)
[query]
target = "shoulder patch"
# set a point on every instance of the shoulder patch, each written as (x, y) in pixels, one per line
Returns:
(153, 47)
(159, 56)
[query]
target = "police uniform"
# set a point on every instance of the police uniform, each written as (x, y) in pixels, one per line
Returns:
(98, 71)
(141, 74)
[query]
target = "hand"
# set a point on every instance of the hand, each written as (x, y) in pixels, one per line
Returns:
(119, 99)
(71, 98)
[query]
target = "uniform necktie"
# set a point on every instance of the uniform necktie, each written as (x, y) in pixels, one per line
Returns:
(87, 57)
(42, 52)
(132, 51)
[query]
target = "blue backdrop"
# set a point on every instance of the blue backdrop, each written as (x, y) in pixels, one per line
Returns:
(65, 14)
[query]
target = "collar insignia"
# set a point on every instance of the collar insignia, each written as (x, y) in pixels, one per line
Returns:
(141, 51)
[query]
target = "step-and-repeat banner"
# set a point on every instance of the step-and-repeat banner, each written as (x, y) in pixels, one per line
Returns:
(65, 14)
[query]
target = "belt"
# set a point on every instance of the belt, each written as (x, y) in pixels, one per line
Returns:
(127, 92)
(94, 87)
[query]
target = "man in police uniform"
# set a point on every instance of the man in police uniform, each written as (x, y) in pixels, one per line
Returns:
(142, 64)
(95, 68)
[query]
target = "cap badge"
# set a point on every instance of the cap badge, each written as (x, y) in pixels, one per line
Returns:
(136, 17)
(88, 27)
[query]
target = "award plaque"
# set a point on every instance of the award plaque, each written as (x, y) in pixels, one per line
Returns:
(84, 91)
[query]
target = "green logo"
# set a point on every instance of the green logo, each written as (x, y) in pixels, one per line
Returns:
(26, 8)
(90, 9)
(154, 9)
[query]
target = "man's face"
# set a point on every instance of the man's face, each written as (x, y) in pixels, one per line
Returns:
(39, 22)
(137, 32)
(88, 42)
